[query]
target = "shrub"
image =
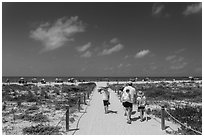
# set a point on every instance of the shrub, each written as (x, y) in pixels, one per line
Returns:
(190, 115)
(41, 129)
(39, 117)
(34, 107)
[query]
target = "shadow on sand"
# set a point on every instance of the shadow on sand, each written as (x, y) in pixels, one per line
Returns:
(137, 118)
(74, 129)
(111, 111)
(133, 112)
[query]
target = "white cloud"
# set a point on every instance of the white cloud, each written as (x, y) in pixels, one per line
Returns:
(178, 66)
(174, 59)
(120, 65)
(198, 70)
(179, 51)
(115, 48)
(142, 53)
(157, 9)
(176, 62)
(153, 67)
(127, 56)
(114, 41)
(84, 47)
(193, 9)
(108, 68)
(128, 65)
(57, 34)
(87, 54)
(171, 57)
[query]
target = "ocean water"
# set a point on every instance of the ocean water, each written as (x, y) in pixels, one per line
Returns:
(52, 79)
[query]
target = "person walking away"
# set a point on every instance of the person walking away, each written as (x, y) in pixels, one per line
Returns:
(141, 102)
(106, 96)
(126, 99)
(133, 95)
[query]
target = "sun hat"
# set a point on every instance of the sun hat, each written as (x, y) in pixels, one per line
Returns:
(140, 93)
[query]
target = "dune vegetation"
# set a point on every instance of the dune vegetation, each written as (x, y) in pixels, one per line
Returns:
(32, 109)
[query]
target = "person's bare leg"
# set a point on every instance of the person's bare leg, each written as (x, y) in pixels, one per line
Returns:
(125, 111)
(105, 108)
(128, 115)
(130, 109)
(141, 114)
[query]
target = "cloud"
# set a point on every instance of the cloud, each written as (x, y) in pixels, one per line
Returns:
(55, 35)
(120, 65)
(108, 68)
(87, 54)
(142, 53)
(115, 48)
(169, 58)
(176, 62)
(114, 41)
(198, 70)
(193, 9)
(181, 65)
(84, 47)
(128, 65)
(157, 9)
(127, 56)
(153, 67)
(179, 51)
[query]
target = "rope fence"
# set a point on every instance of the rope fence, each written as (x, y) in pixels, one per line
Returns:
(80, 97)
(162, 116)
(57, 124)
(182, 123)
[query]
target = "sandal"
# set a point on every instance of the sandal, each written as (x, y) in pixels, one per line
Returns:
(129, 122)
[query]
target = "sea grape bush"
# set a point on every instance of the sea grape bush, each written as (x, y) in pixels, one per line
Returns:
(41, 129)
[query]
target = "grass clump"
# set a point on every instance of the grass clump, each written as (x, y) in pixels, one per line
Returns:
(41, 129)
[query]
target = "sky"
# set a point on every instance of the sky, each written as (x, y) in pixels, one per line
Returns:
(101, 39)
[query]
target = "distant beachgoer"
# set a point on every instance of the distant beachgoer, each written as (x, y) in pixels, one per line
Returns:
(132, 93)
(141, 102)
(106, 97)
(7, 80)
(126, 101)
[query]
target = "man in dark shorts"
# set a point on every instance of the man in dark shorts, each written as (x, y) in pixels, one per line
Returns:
(126, 99)
(132, 90)
(106, 97)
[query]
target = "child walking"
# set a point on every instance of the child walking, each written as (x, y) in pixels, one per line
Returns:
(141, 102)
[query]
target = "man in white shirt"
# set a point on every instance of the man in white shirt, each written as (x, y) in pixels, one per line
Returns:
(105, 96)
(132, 93)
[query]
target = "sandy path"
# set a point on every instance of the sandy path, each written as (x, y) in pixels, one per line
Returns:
(95, 122)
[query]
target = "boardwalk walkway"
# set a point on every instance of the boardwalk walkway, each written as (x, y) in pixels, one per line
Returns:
(96, 122)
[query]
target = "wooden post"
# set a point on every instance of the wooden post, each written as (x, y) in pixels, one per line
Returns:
(162, 118)
(79, 103)
(84, 98)
(88, 94)
(67, 119)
